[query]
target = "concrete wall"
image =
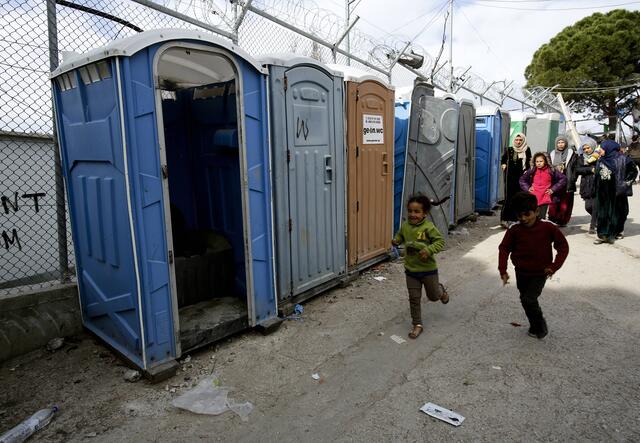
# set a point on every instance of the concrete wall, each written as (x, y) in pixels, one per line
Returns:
(29, 320)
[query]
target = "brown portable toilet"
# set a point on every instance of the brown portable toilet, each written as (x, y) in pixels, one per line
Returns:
(369, 108)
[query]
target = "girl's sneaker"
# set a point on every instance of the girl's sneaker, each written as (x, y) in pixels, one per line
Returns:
(444, 298)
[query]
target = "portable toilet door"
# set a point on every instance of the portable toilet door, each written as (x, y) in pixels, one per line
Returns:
(140, 121)
(487, 158)
(433, 130)
(307, 130)
(369, 106)
(505, 127)
(401, 133)
(465, 162)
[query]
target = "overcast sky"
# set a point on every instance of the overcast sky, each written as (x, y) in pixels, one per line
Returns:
(497, 42)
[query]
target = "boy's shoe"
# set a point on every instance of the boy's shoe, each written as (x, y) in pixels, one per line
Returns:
(532, 334)
(542, 334)
(620, 236)
(444, 298)
(600, 240)
(592, 231)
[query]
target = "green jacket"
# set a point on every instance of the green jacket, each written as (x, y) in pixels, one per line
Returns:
(424, 235)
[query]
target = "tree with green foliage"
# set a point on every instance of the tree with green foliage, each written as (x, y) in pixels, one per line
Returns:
(595, 63)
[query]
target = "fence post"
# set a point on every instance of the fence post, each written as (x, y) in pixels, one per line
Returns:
(63, 254)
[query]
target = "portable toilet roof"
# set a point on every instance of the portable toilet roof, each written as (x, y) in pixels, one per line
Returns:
(404, 93)
(290, 59)
(484, 111)
(128, 46)
(521, 116)
(352, 74)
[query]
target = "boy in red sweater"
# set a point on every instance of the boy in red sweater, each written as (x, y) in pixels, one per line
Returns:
(529, 242)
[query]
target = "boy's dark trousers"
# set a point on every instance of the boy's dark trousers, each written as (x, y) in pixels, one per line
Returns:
(530, 287)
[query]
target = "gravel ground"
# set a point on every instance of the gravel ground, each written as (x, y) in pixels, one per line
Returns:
(580, 383)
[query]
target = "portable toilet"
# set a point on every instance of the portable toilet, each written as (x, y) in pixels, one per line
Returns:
(308, 140)
(519, 120)
(165, 154)
(401, 132)
(369, 111)
(505, 125)
(488, 151)
(543, 131)
(430, 163)
(464, 184)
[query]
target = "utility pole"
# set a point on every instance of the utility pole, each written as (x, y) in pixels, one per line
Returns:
(451, 46)
(347, 20)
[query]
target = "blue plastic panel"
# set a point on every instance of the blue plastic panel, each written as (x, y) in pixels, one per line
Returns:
(488, 142)
(401, 129)
(91, 144)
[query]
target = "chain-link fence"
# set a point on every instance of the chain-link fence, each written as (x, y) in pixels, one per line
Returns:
(35, 242)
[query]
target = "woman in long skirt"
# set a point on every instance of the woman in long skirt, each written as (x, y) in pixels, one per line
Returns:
(515, 161)
(615, 173)
(564, 159)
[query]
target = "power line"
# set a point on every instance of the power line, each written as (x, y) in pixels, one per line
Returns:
(437, 12)
(483, 40)
(514, 8)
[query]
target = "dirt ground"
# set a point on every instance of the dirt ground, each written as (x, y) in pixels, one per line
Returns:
(581, 383)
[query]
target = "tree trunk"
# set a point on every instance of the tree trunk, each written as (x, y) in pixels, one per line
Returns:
(612, 113)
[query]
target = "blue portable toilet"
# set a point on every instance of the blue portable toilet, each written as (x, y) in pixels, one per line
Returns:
(401, 128)
(488, 151)
(165, 152)
(309, 178)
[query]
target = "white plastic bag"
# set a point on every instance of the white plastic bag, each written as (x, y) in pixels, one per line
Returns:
(206, 398)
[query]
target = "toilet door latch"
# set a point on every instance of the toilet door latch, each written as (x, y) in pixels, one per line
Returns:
(165, 171)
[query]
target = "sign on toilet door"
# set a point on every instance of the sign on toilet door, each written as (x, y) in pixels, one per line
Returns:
(372, 129)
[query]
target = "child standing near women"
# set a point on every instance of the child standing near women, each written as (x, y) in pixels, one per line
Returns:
(529, 243)
(422, 242)
(543, 181)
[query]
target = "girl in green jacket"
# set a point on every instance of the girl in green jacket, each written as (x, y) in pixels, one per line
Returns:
(422, 242)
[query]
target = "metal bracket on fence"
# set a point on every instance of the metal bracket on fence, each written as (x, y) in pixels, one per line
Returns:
(312, 37)
(400, 54)
(186, 18)
(238, 22)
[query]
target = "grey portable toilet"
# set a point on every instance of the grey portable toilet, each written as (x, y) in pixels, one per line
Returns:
(308, 156)
(505, 130)
(465, 178)
(430, 161)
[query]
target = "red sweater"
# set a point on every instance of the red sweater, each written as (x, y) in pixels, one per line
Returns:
(530, 248)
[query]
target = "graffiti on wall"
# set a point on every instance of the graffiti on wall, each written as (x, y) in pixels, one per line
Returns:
(14, 204)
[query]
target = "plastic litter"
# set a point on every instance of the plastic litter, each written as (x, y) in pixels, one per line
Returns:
(459, 231)
(210, 398)
(206, 398)
(29, 427)
(297, 313)
(444, 414)
(315, 376)
(497, 368)
(398, 339)
(242, 410)
(380, 278)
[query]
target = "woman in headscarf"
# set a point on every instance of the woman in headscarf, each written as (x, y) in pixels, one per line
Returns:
(563, 159)
(586, 170)
(615, 173)
(515, 161)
